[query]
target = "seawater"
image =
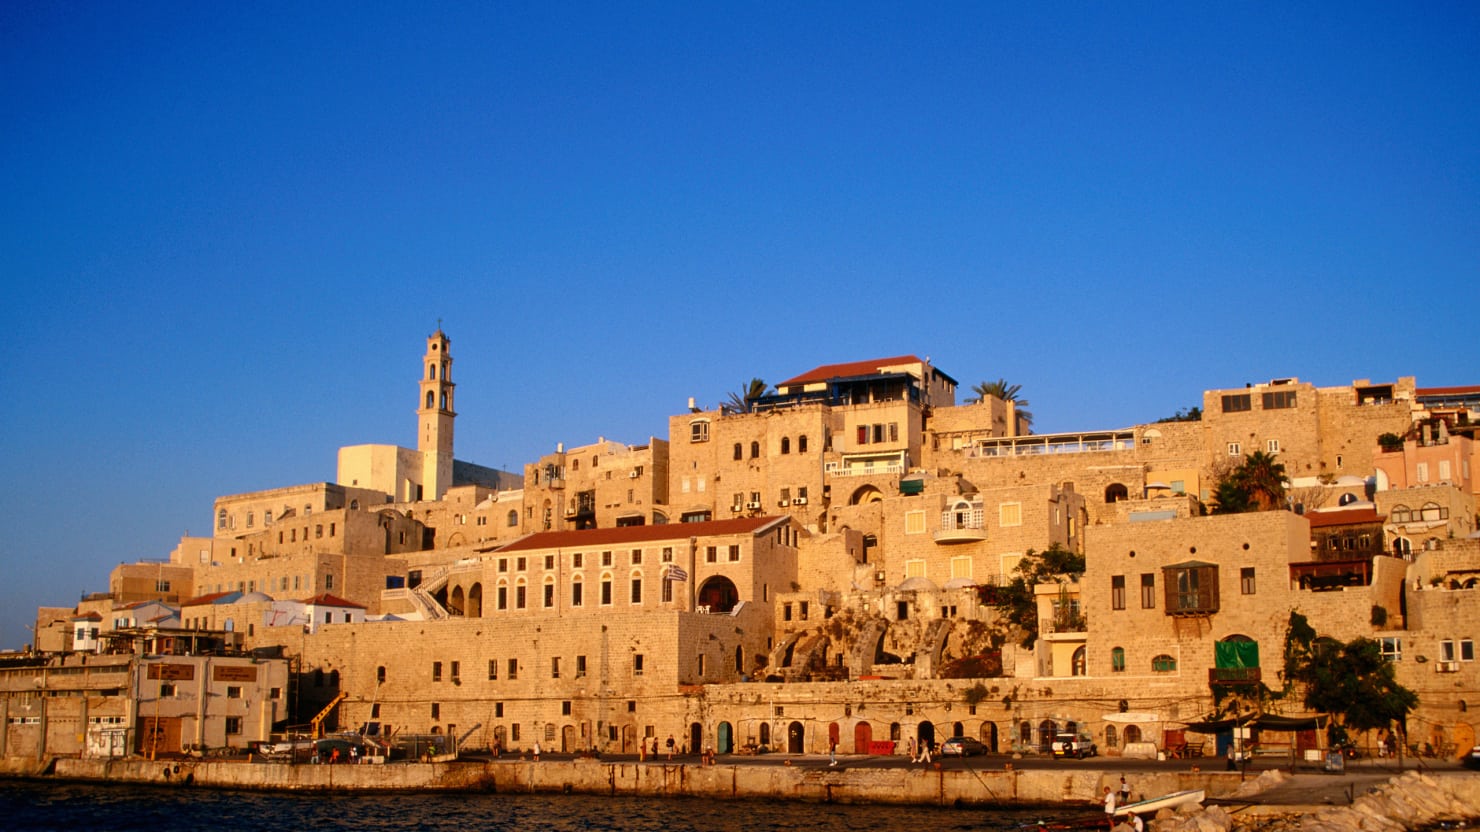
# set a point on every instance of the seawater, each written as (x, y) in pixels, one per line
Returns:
(27, 805)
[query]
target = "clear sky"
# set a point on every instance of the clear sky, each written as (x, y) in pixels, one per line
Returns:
(226, 229)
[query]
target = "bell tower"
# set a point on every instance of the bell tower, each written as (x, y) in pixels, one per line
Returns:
(434, 417)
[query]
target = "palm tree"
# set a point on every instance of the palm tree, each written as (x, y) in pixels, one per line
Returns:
(740, 402)
(1264, 480)
(1007, 393)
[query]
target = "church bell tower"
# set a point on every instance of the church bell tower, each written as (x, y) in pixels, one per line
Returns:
(434, 418)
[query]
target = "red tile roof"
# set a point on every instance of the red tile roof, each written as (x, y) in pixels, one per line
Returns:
(1447, 391)
(589, 538)
(206, 599)
(849, 370)
(1342, 517)
(327, 600)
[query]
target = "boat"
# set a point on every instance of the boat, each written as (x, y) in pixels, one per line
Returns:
(1166, 801)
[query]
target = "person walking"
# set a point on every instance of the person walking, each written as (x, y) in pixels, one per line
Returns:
(1125, 791)
(1109, 801)
(832, 753)
(536, 751)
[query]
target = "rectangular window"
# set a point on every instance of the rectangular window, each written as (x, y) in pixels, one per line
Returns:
(575, 561)
(549, 595)
(1010, 514)
(519, 592)
(914, 522)
(668, 554)
(734, 552)
(554, 667)
(667, 592)
(637, 590)
(914, 568)
(1272, 446)
(1237, 403)
(436, 671)
(1281, 400)
(493, 670)
(575, 594)
(636, 557)
(1246, 580)
(513, 669)
(1392, 648)
(549, 561)
(233, 725)
(1443, 470)
(1148, 591)
(233, 692)
(701, 665)
(1117, 592)
(503, 564)
(606, 593)
(1466, 650)
(711, 554)
(961, 566)
(699, 431)
(519, 564)
(436, 711)
(1423, 472)
(580, 666)
(1235, 449)
(636, 664)
(606, 558)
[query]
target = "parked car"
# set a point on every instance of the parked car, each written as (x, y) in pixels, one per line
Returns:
(1472, 759)
(962, 747)
(1077, 746)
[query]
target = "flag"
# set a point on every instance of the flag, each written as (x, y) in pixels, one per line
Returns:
(676, 573)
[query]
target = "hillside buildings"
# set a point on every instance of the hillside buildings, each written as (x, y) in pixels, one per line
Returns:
(821, 565)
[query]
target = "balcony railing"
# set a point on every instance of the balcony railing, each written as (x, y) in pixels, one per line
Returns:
(1234, 676)
(961, 526)
(862, 469)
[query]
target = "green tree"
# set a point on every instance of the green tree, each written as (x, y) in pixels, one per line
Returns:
(1353, 682)
(1007, 393)
(1257, 484)
(739, 402)
(1016, 605)
(1186, 414)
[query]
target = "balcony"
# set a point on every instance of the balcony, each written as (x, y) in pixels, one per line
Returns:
(1234, 676)
(962, 525)
(1054, 443)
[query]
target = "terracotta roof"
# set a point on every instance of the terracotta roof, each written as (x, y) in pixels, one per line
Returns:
(327, 600)
(207, 599)
(1342, 517)
(1463, 390)
(849, 370)
(92, 616)
(621, 535)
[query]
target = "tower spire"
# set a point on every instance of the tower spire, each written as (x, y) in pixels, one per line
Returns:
(435, 415)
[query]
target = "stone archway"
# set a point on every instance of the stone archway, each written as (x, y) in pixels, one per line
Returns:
(988, 736)
(796, 737)
(863, 738)
(718, 595)
(866, 494)
(726, 738)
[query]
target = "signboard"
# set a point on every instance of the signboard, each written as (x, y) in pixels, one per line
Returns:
(172, 672)
(234, 673)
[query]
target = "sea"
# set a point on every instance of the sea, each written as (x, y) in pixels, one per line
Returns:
(27, 805)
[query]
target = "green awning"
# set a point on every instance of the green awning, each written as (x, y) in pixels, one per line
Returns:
(915, 486)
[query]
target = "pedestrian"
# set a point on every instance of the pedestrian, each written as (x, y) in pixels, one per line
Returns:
(1109, 801)
(1137, 825)
(914, 755)
(354, 754)
(1125, 791)
(670, 746)
(334, 757)
(832, 753)
(642, 751)
(924, 751)
(536, 751)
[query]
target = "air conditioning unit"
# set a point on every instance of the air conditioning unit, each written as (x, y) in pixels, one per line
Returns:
(632, 474)
(801, 501)
(1446, 667)
(783, 503)
(735, 509)
(753, 505)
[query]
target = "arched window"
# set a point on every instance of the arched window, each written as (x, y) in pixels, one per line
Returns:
(1076, 664)
(755, 449)
(739, 451)
(802, 444)
(1111, 737)
(1117, 660)
(1132, 734)
(1163, 664)
(786, 444)
(432, 372)
(1402, 547)
(1115, 492)
(431, 399)
(513, 518)
(1401, 514)
(444, 401)
(221, 519)
(1346, 499)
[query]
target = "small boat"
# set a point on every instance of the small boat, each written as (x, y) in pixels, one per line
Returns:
(1166, 801)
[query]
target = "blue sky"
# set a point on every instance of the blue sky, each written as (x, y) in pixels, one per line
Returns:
(227, 229)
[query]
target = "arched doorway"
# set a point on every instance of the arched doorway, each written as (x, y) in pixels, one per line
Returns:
(956, 730)
(1132, 734)
(475, 601)
(989, 736)
(926, 732)
(455, 603)
(766, 734)
(629, 739)
(795, 738)
(718, 594)
(568, 739)
(1047, 730)
(833, 735)
(725, 735)
(863, 738)
(866, 494)
(696, 738)
(1115, 492)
